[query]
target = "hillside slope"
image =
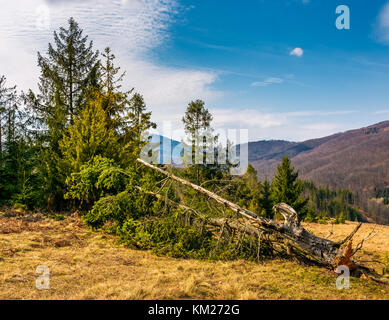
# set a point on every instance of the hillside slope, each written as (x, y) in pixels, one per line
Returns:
(357, 159)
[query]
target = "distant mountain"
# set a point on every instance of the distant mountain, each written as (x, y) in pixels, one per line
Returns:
(357, 159)
(162, 145)
(259, 150)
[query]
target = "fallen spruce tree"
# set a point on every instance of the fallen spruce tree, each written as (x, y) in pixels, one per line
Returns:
(290, 235)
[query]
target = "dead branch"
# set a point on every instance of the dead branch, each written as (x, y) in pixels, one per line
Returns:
(368, 237)
(331, 232)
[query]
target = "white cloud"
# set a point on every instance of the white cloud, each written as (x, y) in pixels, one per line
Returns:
(382, 111)
(298, 52)
(318, 113)
(131, 28)
(267, 82)
(296, 126)
(382, 30)
(322, 127)
(246, 118)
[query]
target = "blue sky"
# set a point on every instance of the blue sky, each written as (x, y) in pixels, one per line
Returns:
(234, 55)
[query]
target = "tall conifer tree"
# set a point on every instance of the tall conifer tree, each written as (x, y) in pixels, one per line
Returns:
(287, 188)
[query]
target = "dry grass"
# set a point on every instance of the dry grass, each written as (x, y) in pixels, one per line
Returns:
(90, 265)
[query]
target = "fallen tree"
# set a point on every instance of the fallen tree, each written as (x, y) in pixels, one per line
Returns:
(290, 234)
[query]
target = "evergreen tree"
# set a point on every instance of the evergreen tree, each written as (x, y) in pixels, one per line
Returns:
(197, 122)
(17, 155)
(109, 73)
(310, 216)
(251, 178)
(7, 100)
(287, 188)
(89, 136)
(342, 217)
(115, 101)
(8, 144)
(266, 199)
(67, 73)
(138, 121)
(126, 116)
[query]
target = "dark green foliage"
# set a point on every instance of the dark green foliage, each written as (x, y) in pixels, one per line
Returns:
(266, 202)
(96, 178)
(178, 236)
(382, 194)
(287, 188)
(19, 182)
(340, 219)
(67, 73)
(325, 204)
(129, 204)
(167, 235)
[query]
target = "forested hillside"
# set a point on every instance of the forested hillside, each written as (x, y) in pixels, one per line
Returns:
(356, 160)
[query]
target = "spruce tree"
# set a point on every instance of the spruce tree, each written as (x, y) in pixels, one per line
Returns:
(115, 101)
(287, 188)
(7, 98)
(251, 178)
(8, 141)
(126, 116)
(89, 136)
(197, 122)
(68, 71)
(266, 199)
(138, 120)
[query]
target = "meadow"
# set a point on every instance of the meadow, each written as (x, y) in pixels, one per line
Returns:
(92, 265)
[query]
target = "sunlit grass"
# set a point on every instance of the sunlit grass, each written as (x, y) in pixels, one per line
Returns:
(90, 265)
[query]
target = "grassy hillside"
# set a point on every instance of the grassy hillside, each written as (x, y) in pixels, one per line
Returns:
(90, 265)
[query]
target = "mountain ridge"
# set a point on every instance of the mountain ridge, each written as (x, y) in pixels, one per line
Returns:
(366, 151)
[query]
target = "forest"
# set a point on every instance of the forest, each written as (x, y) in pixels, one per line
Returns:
(384, 194)
(74, 145)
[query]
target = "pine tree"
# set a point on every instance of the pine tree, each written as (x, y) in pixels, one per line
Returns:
(67, 73)
(197, 122)
(109, 73)
(251, 178)
(7, 99)
(89, 136)
(310, 216)
(287, 188)
(138, 120)
(115, 101)
(8, 141)
(126, 116)
(17, 156)
(342, 217)
(266, 199)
